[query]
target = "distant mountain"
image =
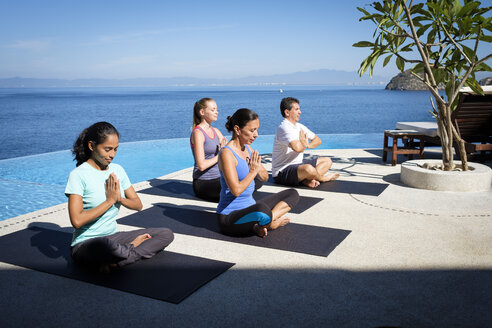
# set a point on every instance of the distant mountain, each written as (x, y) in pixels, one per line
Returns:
(316, 77)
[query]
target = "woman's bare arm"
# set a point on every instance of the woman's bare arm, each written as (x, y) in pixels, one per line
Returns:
(131, 200)
(198, 140)
(227, 164)
(79, 217)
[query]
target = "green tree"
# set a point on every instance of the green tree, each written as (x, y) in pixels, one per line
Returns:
(439, 39)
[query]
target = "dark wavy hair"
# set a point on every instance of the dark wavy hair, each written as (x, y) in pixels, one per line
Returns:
(286, 104)
(240, 118)
(97, 133)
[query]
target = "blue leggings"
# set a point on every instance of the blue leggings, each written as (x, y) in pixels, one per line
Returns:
(241, 222)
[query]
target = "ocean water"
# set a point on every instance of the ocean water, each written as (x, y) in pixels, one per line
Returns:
(36, 121)
(39, 126)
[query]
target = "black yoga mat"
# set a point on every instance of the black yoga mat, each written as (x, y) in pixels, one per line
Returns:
(353, 187)
(168, 276)
(184, 189)
(347, 187)
(171, 188)
(293, 237)
(302, 205)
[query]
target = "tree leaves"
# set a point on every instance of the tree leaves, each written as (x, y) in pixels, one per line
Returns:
(473, 84)
(386, 60)
(431, 36)
(441, 33)
(434, 8)
(419, 68)
(400, 63)
(486, 38)
(467, 8)
(362, 44)
(483, 67)
(423, 29)
(469, 53)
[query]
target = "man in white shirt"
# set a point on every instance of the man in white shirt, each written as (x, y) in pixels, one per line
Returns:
(291, 139)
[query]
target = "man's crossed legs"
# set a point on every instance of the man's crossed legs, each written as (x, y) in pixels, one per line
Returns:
(310, 173)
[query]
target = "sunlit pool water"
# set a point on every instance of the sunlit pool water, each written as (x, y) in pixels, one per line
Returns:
(35, 182)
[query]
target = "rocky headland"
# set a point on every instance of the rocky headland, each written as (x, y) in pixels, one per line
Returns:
(486, 81)
(407, 81)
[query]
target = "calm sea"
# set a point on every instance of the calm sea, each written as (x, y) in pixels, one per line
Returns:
(35, 121)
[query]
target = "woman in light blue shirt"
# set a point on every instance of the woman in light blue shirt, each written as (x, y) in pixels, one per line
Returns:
(96, 189)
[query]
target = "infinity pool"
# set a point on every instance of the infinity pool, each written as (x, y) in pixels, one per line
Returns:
(35, 182)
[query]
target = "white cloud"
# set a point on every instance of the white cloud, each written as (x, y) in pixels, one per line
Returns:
(126, 61)
(126, 37)
(142, 35)
(200, 28)
(29, 45)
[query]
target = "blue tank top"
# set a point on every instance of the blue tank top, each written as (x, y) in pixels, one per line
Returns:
(211, 148)
(228, 202)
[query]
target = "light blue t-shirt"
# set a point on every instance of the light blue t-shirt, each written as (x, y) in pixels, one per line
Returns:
(89, 183)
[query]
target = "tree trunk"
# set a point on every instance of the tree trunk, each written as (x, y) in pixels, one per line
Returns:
(461, 149)
(446, 134)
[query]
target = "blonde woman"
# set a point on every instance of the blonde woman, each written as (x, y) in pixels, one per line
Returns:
(205, 142)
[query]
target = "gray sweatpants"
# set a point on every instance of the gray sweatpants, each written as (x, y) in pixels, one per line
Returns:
(116, 248)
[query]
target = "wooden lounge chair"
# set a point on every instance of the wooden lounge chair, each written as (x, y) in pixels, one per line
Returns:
(472, 118)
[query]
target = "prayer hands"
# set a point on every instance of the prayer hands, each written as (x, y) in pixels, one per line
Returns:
(223, 142)
(112, 187)
(254, 162)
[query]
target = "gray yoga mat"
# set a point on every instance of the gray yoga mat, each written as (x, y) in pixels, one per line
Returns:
(293, 237)
(167, 276)
(184, 189)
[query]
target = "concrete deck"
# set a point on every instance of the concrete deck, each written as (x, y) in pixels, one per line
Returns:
(414, 258)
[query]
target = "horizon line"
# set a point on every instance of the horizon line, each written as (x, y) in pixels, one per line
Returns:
(192, 77)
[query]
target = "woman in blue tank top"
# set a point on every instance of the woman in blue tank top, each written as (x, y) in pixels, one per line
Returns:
(205, 142)
(238, 213)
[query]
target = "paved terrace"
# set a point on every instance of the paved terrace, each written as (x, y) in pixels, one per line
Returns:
(413, 258)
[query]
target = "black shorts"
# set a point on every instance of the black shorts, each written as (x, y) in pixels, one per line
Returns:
(288, 176)
(209, 190)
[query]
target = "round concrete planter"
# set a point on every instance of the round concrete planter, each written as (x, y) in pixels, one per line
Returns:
(478, 178)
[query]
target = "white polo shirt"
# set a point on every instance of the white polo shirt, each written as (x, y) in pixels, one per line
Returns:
(283, 155)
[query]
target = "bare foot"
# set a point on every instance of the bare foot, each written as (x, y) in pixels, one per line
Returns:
(284, 221)
(140, 239)
(260, 231)
(332, 176)
(280, 222)
(311, 183)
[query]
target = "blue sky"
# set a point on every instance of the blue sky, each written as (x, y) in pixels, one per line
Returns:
(216, 39)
